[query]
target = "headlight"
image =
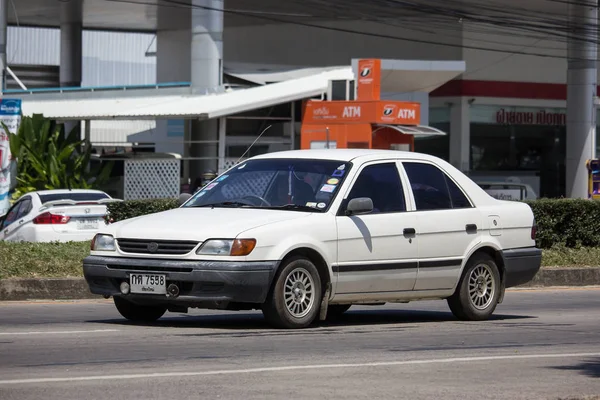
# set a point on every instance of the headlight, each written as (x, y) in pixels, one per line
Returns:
(103, 243)
(227, 247)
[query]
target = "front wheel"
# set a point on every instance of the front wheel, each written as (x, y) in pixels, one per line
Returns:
(136, 312)
(477, 293)
(296, 295)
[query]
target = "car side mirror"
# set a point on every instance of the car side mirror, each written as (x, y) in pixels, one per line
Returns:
(183, 197)
(359, 205)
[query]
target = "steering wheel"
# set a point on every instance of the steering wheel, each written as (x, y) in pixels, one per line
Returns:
(262, 200)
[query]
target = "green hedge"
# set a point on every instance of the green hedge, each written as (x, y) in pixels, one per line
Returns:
(134, 208)
(567, 222)
(561, 222)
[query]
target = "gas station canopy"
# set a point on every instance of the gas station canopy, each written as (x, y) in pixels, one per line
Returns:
(409, 76)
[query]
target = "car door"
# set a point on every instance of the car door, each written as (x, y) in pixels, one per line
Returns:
(24, 216)
(10, 222)
(377, 252)
(447, 224)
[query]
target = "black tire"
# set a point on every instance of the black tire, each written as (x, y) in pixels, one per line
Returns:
(461, 303)
(335, 311)
(136, 312)
(276, 311)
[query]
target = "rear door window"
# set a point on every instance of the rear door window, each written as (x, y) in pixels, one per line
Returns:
(433, 189)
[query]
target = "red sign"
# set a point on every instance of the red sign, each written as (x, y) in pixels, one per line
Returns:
(398, 113)
(368, 81)
(541, 117)
(371, 112)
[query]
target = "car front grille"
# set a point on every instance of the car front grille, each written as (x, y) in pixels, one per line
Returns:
(145, 246)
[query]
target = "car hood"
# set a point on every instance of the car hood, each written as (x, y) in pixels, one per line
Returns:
(200, 223)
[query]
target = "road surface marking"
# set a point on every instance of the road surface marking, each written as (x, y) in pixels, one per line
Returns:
(293, 368)
(57, 332)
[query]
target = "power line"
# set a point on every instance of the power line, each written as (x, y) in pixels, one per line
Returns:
(344, 30)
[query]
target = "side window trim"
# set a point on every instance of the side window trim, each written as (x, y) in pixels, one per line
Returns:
(446, 175)
(411, 204)
(395, 161)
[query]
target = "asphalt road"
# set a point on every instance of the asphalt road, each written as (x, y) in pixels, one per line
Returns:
(539, 345)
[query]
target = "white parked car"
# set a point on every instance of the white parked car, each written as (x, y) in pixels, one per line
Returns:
(508, 190)
(305, 234)
(55, 216)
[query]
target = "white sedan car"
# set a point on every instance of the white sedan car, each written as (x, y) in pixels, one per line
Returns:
(305, 234)
(55, 215)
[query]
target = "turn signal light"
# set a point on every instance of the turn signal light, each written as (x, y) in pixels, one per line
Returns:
(242, 247)
(51, 219)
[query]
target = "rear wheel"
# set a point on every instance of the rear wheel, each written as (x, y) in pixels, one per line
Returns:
(476, 296)
(136, 312)
(296, 295)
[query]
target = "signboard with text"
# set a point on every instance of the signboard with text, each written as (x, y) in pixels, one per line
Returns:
(10, 115)
(500, 115)
(376, 112)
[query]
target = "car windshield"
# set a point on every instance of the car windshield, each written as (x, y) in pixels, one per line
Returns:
(290, 184)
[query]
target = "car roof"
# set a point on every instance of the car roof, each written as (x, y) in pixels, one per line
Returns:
(66, 191)
(476, 193)
(346, 154)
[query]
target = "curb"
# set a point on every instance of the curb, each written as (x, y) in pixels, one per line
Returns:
(556, 276)
(77, 288)
(45, 289)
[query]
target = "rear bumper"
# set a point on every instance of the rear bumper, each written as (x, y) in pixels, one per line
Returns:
(205, 284)
(521, 265)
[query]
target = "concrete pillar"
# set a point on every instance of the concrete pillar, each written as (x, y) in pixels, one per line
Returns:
(3, 40)
(581, 92)
(206, 76)
(71, 22)
(207, 45)
(460, 134)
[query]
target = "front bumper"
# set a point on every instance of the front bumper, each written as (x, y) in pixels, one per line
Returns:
(521, 265)
(205, 284)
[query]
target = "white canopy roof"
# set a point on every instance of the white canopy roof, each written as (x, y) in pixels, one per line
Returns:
(204, 106)
(415, 130)
(408, 76)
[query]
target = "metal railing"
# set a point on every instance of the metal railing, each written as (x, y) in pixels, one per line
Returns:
(221, 89)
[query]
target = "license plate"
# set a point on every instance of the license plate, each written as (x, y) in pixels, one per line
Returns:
(148, 283)
(87, 224)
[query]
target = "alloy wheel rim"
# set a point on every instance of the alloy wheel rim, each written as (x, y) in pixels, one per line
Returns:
(299, 292)
(482, 286)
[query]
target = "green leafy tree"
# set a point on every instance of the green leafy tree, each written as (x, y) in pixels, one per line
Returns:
(48, 159)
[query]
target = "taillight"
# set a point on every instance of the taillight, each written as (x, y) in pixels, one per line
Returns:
(533, 231)
(50, 219)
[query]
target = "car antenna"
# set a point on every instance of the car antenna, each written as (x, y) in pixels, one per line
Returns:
(249, 147)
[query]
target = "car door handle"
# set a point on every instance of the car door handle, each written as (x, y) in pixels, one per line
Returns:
(6, 231)
(471, 228)
(409, 231)
(21, 221)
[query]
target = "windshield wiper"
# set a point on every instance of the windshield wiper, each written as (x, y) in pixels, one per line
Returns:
(225, 204)
(294, 207)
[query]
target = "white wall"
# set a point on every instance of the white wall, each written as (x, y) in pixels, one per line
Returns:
(109, 58)
(173, 55)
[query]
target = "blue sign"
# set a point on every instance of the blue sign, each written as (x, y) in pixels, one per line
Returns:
(175, 127)
(10, 107)
(10, 115)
